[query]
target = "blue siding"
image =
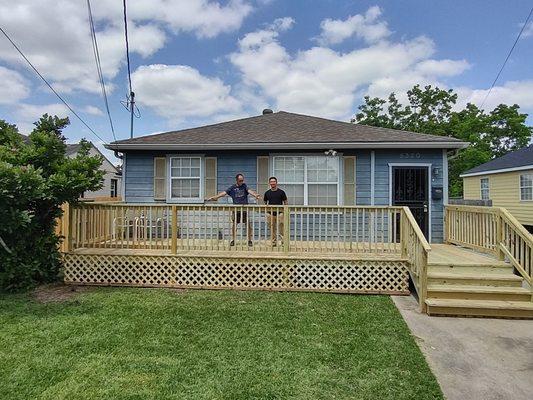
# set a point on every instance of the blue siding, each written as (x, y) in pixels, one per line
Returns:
(139, 170)
(139, 177)
(421, 156)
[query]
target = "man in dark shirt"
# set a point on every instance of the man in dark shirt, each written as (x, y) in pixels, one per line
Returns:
(239, 194)
(275, 197)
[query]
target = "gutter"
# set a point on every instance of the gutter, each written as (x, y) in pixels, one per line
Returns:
(284, 146)
(497, 171)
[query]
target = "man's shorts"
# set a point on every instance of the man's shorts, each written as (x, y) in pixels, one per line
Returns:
(242, 216)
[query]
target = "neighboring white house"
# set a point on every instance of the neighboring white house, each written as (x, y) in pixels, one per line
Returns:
(112, 179)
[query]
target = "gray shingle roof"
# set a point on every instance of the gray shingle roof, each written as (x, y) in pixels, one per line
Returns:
(72, 148)
(514, 159)
(282, 127)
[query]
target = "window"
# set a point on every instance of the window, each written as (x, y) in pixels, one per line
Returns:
(114, 185)
(185, 178)
(309, 180)
(484, 184)
(526, 187)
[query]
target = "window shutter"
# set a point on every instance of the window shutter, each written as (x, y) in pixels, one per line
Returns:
(262, 174)
(349, 180)
(210, 176)
(160, 178)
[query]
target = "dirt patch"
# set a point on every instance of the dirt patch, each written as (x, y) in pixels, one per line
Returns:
(58, 292)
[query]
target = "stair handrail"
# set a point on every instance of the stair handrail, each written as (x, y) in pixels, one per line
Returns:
(415, 248)
(516, 244)
(492, 230)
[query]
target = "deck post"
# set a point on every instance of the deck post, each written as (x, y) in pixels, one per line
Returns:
(286, 228)
(499, 235)
(423, 282)
(445, 225)
(66, 222)
(403, 238)
(174, 229)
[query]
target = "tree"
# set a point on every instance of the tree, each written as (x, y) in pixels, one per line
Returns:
(433, 110)
(36, 178)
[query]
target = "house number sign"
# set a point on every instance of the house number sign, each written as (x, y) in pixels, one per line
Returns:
(409, 155)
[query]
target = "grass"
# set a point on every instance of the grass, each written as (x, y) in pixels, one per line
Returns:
(162, 344)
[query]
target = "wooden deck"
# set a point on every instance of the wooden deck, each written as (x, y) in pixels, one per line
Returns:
(484, 269)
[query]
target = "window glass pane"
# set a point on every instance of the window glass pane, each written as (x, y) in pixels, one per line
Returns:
(526, 180)
(185, 167)
(322, 194)
(526, 193)
(185, 188)
(322, 169)
(295, 193)
(195, 172)
(289, 169)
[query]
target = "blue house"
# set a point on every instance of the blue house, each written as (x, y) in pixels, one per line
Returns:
(317, 162)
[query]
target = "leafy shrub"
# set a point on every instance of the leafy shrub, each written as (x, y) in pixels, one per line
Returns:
(36, 178)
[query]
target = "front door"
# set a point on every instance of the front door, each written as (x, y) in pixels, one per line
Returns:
(410, 188)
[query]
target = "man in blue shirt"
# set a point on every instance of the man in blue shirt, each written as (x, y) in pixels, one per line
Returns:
(239, 194)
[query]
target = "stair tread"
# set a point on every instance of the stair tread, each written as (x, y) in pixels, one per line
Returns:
(477, 263)
(477, 289)
(488, 304)
(475, 275)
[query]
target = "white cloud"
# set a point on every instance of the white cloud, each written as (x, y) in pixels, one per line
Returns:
(511, 92)
(325, 82)
(54, 34)
(32, 112)
(13, 86)
(26, 114)
(364, 26)
(177, 92)
(92, 110)
(528, 30)
(442, 67)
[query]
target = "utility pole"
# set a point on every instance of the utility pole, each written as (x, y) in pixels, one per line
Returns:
(132, 108)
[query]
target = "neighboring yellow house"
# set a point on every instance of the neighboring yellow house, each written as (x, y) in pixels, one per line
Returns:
(507, 181)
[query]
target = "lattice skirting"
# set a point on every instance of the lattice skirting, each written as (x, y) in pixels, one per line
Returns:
(340, 276)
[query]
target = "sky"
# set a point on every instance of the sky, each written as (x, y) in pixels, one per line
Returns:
(196, 62)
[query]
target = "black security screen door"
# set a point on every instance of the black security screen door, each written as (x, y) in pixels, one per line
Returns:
(410, 188)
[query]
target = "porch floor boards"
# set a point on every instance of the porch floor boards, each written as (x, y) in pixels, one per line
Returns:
(447, 254)
(441, 254)
(260, 249)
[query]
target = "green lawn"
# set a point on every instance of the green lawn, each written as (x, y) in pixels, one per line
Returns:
(156, 344)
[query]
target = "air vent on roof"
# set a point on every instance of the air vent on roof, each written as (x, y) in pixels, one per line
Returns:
(267, 111)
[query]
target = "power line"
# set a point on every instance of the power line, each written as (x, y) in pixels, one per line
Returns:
(130, 99)
(50, 86)
(507, 58)
(127, 44)
(99, 67)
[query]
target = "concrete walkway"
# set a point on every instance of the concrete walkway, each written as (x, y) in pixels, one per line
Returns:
(474, 358)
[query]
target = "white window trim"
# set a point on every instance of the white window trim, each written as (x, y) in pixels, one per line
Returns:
(481, 189)
(171, 199)
(340, 193)
(520, 187)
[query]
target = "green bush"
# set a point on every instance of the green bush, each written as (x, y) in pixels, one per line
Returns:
(36, 177)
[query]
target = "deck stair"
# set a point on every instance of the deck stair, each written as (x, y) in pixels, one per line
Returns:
(472, 284)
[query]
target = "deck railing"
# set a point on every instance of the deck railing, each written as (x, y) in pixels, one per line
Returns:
(332, 229)
(416, 249)
(492, 230)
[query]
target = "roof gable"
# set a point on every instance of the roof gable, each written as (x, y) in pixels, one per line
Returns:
(514, 159)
